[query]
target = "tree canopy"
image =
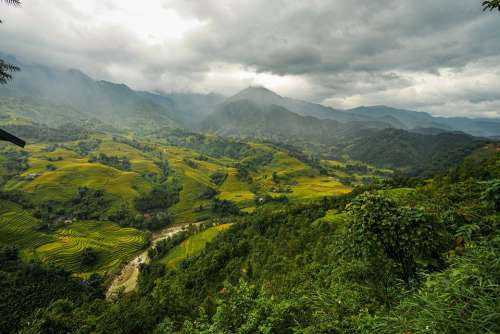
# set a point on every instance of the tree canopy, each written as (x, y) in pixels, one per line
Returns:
(491, 5)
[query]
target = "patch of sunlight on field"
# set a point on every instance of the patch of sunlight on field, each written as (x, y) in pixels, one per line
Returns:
(119, 149)
(332, 217)
(283, 164)
(235, 190)
(313, 187)
(192, 246)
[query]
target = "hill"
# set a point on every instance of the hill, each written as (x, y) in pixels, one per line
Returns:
(372, 116)
(416, 153)
(419, 154)
(111, 103)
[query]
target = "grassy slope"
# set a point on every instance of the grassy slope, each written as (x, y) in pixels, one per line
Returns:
(192, 246)
(122, 187)
(17, 227)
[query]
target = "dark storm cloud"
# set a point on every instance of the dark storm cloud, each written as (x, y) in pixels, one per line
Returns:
(404, 53)
(336, 36)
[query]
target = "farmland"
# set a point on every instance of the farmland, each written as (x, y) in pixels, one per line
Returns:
(63, 247)
(58, 172)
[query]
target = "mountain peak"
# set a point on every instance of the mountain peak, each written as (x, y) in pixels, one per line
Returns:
(257, 94)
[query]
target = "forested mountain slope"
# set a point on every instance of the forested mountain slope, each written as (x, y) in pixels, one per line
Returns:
(114, 104)
(371, 116)
(416, 153)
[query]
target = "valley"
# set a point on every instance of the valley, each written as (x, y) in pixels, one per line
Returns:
(176, 223)
(139, 212)
(258, 175)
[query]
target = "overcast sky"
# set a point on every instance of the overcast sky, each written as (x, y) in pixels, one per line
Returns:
(440, 56)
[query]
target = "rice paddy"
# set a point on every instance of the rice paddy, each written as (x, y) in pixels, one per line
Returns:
(113, 244)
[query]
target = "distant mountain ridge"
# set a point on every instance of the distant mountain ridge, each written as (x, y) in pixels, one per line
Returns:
(115, 104)
(380, 135)
(372, 116)
(123, 107)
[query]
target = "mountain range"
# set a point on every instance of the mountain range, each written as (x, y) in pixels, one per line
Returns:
(380, 135)
(123, 107)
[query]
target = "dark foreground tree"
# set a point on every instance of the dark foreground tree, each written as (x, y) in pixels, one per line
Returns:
(5, 74)
(5, 68)
(491, 5)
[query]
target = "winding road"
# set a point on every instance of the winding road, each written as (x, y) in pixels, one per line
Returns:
(127, 279)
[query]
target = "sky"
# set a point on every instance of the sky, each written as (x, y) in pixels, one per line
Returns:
(442, 56)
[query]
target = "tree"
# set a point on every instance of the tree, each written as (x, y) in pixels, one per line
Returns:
(383, 230)
(88, 256)
(5, 68)
(491, 5)
(5, 74)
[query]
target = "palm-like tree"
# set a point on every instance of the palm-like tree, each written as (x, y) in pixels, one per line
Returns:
(491, 5)
(5, 68)
(5, 74)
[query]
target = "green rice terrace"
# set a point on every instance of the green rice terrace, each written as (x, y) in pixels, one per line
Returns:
(90, 203)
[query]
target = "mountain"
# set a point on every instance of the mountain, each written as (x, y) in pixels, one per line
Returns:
(246, 119)
(264, 96)
(372, 116)
(417, 153)
(408, 119)
(111, 103)
(115, 104)
(191, 105)
(485, 127)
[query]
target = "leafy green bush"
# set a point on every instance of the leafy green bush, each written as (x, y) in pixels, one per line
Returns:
(461, 299)
(381, 229)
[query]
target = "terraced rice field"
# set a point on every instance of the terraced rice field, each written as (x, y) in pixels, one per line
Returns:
(140, 162)
(192, 246)
(112, 243)
(17, 227)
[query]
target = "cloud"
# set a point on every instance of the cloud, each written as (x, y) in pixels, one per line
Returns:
(427, 55)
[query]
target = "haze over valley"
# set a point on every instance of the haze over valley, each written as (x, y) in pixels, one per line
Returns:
(249, 167)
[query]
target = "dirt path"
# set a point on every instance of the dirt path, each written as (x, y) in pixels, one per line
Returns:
(127, 279)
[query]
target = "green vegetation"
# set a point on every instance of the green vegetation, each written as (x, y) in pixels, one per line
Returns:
(121, 163)
(385, 258)
(110, 243)
(303, 239)
(192, 246)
